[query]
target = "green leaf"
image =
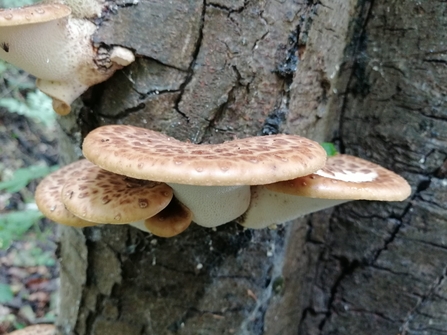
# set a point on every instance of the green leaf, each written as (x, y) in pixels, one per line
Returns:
(14, 224)
(3, 66)
(6, 294)
(22, 177)
(330, 148)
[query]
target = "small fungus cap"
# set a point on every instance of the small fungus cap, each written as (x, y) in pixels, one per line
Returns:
(171, 221)
(146, 154)
(36, 13)
(350, 178)
(48, 195)
(105, 197)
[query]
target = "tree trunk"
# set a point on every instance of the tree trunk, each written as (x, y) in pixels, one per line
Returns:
(367, 75)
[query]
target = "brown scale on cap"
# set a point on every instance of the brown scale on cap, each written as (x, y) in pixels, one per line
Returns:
(171, 221)
(105, 197)
(48, 195)
(37, 13)
(146, 154)
(36, 330)
(348, 177)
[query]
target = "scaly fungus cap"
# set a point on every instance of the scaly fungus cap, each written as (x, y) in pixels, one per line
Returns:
(350, 178)
(146, 154)
(42, 329)
(102, 196)
(344, 178)
(48, 195)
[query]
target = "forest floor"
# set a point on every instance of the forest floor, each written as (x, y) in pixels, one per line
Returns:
(29, 270)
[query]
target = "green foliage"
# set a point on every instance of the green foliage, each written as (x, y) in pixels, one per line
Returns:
(16, 3)
(33, 103)
(330, 149)
(22, 177)
(37, 106)
(14, 224)
(3, 67)
(34, 256)
(6, 294)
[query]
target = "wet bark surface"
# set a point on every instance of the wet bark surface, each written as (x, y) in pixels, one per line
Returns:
(209, 71)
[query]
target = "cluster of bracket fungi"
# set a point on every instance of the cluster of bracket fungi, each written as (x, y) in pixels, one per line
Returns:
(153, 182)
(160, 185)
(156, 183)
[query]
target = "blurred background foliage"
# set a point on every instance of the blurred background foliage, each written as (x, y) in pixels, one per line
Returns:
(16, 3)
(28, 151)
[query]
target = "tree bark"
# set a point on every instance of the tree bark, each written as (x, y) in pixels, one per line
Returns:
(380, 268)
(367, 75)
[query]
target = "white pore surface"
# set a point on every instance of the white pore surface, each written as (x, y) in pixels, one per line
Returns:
(349, 176)
(50, 50)
(140, 225)
(213, 206)
(268, 207)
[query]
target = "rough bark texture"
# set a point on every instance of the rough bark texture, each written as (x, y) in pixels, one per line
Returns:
(365, 74)
(380, 268)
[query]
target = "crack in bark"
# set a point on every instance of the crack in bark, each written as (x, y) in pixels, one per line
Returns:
(359, 37)
(347, 269)
(191, 65)
(377, 314)
(431, 292)
(351, 267)
(228, 9)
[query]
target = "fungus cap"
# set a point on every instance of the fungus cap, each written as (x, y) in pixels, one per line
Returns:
(171, 221)
(48, 195)
(350, 178)
(37, 13)
(56, 48)
(43, 329)
(146, 154)
(105, 197)
(344, 178)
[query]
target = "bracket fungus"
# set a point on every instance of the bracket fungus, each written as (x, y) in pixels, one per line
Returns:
(46, 41)
(49, 200)
(344, 178)
(101, 196)
(211, 180)
(81, 194)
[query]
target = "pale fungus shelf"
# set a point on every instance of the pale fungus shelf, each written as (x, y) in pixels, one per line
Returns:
(46, 41)
(211, 180)
(344, 178)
